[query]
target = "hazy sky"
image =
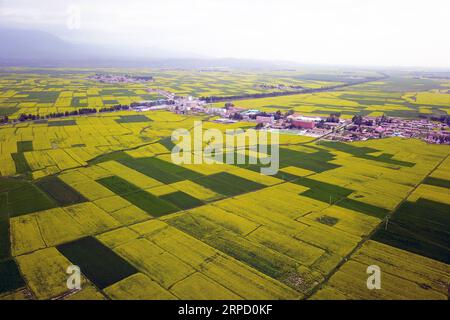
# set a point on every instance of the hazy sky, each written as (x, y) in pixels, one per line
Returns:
(359, 32)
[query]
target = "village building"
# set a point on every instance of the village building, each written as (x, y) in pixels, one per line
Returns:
(303, 124)
(265, 119)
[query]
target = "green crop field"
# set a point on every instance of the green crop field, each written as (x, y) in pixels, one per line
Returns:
(100, 191)
(98, 262)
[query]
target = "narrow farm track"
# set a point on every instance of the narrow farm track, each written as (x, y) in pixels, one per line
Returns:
(369, 236)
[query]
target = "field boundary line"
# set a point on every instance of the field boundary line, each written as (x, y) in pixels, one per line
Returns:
(369, 236)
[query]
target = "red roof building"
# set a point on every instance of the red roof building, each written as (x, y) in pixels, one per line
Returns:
(303, 124)
(264, 119)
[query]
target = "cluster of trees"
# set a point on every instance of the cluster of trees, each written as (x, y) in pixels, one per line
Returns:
(383, 119)
(80, 111)
(289, 113)
(25, 117)
(260, 114)
(4, 119)
(114, 108)
(237, 116)
(359, 120)
(278, 115)
(443, 119)
(259, 126)
(320, 124)
(143, 78)
(334, 117)
(152, 103)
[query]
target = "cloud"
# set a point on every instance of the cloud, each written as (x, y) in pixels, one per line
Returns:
(383, 32)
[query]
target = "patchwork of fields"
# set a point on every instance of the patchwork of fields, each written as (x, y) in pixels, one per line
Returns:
(103, 194)
(412, 249)
(364, 99)
(38, 91)
(100, 191)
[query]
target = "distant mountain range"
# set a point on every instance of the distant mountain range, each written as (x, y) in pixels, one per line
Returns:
(35, 45)
(31, 48)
